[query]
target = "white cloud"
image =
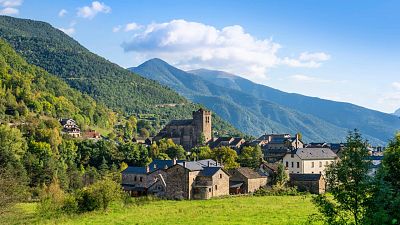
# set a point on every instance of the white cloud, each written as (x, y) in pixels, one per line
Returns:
(191, 45)
(316, 56)
(301, 77)
(62, 13)
(396, 85)
(91, 11)
(131, 27)
(116, 28)
(9, 11)
(70, 31)
(9, 7)
(10, 3)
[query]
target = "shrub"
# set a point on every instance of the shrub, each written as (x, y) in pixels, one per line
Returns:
(278, 191)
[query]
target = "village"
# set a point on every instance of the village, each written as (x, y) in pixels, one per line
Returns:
(304, 163)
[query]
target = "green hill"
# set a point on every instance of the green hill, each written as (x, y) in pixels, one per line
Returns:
(51, 49)
(27, 90)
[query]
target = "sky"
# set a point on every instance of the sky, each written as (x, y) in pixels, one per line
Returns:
(340, 50)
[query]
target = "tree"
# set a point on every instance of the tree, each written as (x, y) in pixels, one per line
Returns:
(144, 133)
(12, 145)
(250, 156)
(281, 176)
(226, 156)
(383, 207)
(348, 183)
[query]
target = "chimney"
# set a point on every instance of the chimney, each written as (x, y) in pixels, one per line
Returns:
(173, 161)
(184, 164)
(208, 163)
(155, 166)
(147, 169)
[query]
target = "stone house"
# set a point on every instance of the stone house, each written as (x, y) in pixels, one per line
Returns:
(147, 180)
(195, 180)
(234, 143)
(91, 134)
(70, 127)
(275, 146)
(190, 132)
(245, 180)
(269, 170)
(309, 160)
(313, 183)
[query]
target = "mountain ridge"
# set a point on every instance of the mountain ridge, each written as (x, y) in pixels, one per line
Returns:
(44, 46)
(250, 113)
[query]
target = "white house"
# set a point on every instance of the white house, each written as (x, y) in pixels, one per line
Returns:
(309, 160)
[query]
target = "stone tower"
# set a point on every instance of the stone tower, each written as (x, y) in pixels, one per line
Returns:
(202, 124)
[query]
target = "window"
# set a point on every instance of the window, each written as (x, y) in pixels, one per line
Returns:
(287, 164)
(298, 164)
(220, 176)
(140, 179)
(320, 164)
(135, 179)
(216, 187)
(312, 164)
(292, 164)
(326, 163)
(209, 189)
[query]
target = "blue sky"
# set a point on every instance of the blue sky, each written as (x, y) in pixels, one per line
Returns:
(340, 50)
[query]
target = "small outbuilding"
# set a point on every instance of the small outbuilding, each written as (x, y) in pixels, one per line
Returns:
(313, 183)
(245, 180)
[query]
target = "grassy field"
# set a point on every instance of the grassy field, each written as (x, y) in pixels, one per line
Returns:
(235, 210)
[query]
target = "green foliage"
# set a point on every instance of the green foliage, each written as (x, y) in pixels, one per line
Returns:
(278, 191)
(348, 183)
(250, 156)
(383, 206)
(226, 156)
(51, 49)
(281, 176)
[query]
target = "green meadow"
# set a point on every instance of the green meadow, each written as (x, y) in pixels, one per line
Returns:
(233, 210)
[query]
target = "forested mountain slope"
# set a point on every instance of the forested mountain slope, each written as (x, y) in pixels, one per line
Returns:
(51, 49)
(373, 123)
(250, 112)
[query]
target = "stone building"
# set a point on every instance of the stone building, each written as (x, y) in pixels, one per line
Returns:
(309, 160)
(245, 180)
(234, 143)
(194, 180)
(275, 146)
(313, 183)
(190, 132)
(148, 179)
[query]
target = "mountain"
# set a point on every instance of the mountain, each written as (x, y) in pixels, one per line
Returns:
(49, 48)
(397, 112)
(256, 109)
(29, 92)
(372, 123)
(249, 114)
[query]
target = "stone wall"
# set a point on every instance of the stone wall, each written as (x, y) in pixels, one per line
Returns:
(314, 187)
(255, 184)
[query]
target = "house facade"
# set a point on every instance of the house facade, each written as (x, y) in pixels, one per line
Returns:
(309, 160)
(245, 180)
(188, 133)
(234, 143)
(70, 127)
(189, 180)
(313, 183)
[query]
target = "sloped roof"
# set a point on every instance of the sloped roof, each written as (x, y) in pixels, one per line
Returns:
(180, 122)
(162, 164)
(305, 177)
(249, 173)
(315, 153)
(135, 170)
(209, 171)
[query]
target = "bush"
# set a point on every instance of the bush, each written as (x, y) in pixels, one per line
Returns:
(278, 191)
(99, 195)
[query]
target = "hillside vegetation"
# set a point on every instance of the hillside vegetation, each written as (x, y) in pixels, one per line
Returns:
(51, 49)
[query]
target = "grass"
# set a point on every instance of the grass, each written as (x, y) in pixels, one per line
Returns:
(234, 210)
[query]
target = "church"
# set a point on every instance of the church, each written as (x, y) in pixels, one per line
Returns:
(189, 132)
